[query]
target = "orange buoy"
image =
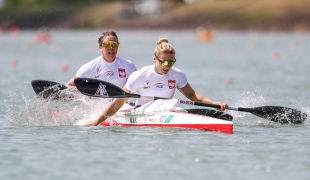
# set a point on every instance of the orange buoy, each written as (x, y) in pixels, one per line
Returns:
(13, 63)
(228, 81)
(43, 35)
(64, 68)
(276, 55)
(14, 30)
(204, 34)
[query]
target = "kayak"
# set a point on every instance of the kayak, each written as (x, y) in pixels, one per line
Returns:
(203, 119)
(171, 119)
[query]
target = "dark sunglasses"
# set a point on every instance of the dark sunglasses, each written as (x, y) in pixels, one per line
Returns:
(166, 63)
(110, 44)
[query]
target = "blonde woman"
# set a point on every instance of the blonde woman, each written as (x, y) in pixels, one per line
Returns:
(160, 79)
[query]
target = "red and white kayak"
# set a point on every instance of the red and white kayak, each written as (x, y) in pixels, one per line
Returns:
(171, 119)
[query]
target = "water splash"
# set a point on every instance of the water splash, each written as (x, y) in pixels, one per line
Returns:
(67, 109)
(247, 99)
(74, 109)
(251, 100)
(307, 111)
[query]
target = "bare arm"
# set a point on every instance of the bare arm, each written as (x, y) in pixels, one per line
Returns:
(193, 95)
(110, 110)
(71, 81)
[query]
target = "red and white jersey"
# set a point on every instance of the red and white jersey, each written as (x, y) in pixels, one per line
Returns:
(147, 82)
(116, 72)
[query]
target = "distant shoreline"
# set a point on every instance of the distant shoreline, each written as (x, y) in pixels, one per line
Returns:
(236, 15)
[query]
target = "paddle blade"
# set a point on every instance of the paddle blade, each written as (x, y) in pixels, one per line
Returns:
(46, 88)
(280, 114)
(98, 88)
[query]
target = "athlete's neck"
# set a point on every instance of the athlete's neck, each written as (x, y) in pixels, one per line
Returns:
(109, 60)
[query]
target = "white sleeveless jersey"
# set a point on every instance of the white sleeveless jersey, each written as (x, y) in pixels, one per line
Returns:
(147, 82)
(116, 72)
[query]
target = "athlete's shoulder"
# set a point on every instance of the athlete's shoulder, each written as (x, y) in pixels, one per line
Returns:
(127, 63)
(145, 69)
(141, 72)
(124, 60)
(178, 73)
(175, 70)
(96, 60)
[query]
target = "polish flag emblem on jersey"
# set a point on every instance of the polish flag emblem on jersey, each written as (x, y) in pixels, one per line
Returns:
(171, 84)
(121, 73)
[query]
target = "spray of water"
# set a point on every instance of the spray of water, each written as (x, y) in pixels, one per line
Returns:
(73, 108)
(252, 99)
(248, 99)
(67, 108)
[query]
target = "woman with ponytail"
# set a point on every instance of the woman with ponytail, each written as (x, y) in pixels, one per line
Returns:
(160, 79)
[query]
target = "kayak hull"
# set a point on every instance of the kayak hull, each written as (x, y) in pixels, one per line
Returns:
(171, 119)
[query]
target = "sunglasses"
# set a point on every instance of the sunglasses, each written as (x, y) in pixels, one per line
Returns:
(110, 44)
(166, 63)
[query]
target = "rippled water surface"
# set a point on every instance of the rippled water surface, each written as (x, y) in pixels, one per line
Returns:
(39, 138)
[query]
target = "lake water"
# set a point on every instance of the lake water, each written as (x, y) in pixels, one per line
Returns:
(243, 69)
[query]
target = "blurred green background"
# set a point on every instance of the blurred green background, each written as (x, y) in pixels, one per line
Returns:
(280, 15)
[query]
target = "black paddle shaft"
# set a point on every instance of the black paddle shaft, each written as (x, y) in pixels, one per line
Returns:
(273, 113)
(103, 89)
(98, 88)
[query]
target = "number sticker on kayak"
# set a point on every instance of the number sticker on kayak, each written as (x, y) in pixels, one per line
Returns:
(161, 119)
(133, 120)
(169, 118)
